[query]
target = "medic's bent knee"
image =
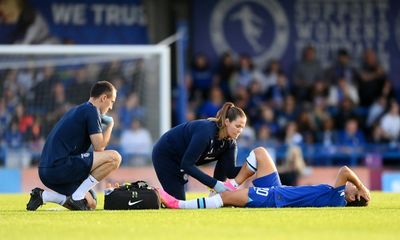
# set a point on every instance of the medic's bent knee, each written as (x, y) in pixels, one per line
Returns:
(115, 158)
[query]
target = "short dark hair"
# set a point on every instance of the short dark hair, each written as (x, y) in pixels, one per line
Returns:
(101, 87)
(357, 203)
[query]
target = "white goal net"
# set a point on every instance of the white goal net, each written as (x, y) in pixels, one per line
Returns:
(39, 83)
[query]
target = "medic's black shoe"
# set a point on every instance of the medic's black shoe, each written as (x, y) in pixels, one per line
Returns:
(76, 205)
(36, 199)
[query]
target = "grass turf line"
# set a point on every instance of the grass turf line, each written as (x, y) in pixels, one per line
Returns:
(380, 220)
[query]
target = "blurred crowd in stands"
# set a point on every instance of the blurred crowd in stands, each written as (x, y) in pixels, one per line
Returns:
(343, 114)
(337, 114)
(32, 100)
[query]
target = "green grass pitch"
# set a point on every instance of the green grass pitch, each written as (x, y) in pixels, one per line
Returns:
(380, 220)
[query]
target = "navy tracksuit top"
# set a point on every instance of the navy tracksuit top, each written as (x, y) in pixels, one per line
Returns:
(196, 143)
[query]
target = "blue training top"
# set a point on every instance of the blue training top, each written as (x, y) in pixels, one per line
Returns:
(71, 135)
(196, 143)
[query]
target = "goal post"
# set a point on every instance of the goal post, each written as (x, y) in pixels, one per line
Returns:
(161, 52)
(150, 63)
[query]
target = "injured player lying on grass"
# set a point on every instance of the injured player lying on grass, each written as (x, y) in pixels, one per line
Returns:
(268, 192)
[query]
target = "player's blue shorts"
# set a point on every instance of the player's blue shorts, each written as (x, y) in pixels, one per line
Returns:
(68, 173)
(260, 195)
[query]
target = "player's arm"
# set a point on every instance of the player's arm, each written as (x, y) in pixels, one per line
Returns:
(196, 147)
(347, 175)
(100, 139)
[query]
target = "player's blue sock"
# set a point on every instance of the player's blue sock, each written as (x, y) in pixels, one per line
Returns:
(85, 186)
(209, 202)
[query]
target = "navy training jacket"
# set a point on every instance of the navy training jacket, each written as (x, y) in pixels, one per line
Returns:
(196, 143)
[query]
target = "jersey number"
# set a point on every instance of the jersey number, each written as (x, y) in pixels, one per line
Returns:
(262, 191)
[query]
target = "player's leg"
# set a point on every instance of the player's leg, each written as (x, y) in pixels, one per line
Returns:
(103, 164)
(208, 202)
(172, 185)
(236, 198)
(53, 178)
(244, 173)
(90, 199)
(264, 163)
(64, 180)
(257, 157)
(38, 197)
(252, 197)
(258, 162)
(171, 179)
(168, 172)
(266, 177)
(266, 172)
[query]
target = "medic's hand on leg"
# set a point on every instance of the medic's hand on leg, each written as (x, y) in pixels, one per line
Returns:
(221, 187)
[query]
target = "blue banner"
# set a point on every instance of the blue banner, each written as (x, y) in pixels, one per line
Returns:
(73, 21)
(391, 182)
(10, 180)
(268, 29)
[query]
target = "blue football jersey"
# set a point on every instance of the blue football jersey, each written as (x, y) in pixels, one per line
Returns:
(296, 196)
(322, 195)
(71, 135)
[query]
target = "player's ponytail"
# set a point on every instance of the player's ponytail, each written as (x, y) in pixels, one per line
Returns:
(228, 111)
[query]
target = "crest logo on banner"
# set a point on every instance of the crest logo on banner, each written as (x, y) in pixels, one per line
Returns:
(259, 28)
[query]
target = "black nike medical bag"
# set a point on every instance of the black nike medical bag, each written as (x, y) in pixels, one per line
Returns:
(136, 195)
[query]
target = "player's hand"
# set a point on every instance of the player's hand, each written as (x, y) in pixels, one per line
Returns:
(221, 187)
(107, 120)
(363, 192)
(227, 184)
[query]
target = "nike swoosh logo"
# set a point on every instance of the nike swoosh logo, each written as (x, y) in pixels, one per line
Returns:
(133, 203)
